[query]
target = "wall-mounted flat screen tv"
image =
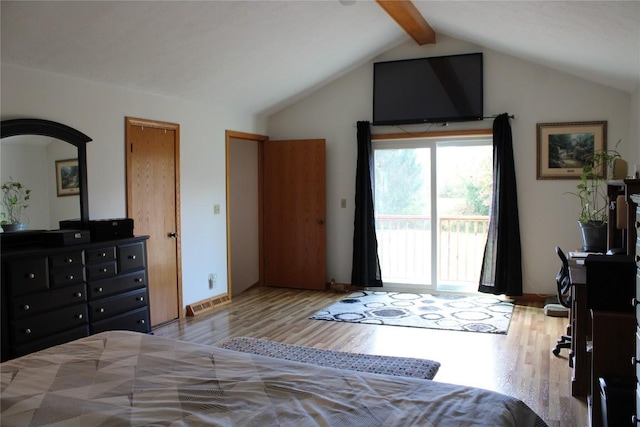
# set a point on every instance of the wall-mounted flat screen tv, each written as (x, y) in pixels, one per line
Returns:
(428, 90)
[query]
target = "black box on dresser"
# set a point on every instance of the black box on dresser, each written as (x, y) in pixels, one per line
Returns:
(103, 229)
(65, 237)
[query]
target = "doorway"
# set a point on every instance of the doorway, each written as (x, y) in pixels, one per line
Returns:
(244, 210)
(153, 202)
(290, 213)
(432, 199)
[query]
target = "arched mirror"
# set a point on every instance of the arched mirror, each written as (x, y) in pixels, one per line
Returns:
(44, 152)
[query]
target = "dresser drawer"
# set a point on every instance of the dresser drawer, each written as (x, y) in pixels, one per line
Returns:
(28, 305)
(66, 260)
(101, 271)
(61, 278)
(637, 352)
(41, 325)
(110, 306)
(637, 296)
(50, 341)
(131, 257)
(27, 276)
(136, 320)
(100, 254)
(116, 285)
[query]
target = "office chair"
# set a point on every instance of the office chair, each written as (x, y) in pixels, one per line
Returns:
(563, 286)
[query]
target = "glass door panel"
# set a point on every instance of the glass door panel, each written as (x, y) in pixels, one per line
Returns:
(464, 179)
(403, 215)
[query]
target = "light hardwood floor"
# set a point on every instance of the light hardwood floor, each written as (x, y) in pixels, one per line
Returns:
(519, 364)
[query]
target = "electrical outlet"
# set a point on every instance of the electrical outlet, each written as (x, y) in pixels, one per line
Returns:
(216, 209)
(212, 280)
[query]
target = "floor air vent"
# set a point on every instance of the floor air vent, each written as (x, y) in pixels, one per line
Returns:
(207, 305)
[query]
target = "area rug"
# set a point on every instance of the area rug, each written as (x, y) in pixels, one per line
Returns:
(475, 313)
(387, 365)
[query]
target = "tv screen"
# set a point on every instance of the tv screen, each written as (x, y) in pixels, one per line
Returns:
(428, 90)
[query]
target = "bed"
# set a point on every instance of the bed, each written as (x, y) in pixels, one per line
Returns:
(120, 378)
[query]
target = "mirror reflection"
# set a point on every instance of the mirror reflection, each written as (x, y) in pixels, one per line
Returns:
(31, 160)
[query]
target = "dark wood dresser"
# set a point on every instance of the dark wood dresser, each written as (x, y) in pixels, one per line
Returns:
(636, 302)
(52, 295)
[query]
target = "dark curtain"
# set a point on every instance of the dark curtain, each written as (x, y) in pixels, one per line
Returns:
(502, 264)
(365, 270)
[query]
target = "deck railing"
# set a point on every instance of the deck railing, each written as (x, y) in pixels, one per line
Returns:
(404, 246)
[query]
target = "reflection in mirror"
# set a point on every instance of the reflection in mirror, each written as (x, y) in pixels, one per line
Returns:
(30, 159)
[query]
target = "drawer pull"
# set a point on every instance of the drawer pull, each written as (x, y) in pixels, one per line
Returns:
(138, 279)
(99, 289)
(103, 270)
(69, 260)
(101, 310)
(132, 257)
(26, 307)
(79, 316)
(140, 299)
(31, 276)
(27, 331)
(78, 295)
(141, 321)
(103, 254)
(70, 277)
(634, 302)
(637, 258)
(634, 419)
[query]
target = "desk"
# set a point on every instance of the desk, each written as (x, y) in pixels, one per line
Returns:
(580, 356)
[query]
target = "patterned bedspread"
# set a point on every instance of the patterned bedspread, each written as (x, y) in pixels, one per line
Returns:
(131, 379)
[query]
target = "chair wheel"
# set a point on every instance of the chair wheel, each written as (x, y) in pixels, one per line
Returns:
(556, 351)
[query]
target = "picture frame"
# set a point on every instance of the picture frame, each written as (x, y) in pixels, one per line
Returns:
(67, 177)
(562, 147)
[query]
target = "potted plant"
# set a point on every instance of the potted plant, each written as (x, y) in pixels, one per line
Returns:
(15, 198)
(592, 194)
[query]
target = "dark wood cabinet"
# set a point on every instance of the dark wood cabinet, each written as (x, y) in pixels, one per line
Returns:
(636, 360)
(54, 295)
(621, 221)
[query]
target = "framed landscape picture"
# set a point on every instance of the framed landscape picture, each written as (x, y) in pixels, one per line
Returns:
(563, 148)
(67, 178)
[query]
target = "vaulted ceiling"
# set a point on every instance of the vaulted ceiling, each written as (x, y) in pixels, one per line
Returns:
(257, 56)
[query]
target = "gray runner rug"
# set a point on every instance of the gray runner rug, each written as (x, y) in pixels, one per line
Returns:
(387, 365)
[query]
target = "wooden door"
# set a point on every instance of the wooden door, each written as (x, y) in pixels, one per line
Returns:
(152, 154)
(294, 214)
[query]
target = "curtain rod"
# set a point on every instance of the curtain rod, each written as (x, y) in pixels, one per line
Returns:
(511, 116)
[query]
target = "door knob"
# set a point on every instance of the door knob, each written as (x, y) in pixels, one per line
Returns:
(173, 234)
(320, 222)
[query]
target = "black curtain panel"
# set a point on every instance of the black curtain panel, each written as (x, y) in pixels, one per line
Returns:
(365, 270)
(502, 264)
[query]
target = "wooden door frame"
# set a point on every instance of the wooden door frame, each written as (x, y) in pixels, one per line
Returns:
(133, 121)
(260, 140)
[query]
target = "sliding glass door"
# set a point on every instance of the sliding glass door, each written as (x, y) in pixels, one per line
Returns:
(432, 200)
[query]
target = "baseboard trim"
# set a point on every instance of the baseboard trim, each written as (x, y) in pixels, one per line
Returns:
(529, 298)
(207, 305)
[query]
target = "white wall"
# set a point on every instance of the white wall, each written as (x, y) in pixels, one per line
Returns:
(534, 93)
(99, 111)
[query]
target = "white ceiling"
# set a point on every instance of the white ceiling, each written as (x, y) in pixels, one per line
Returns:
(258, 56)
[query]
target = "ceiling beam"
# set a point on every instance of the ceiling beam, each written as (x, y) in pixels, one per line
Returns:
(410, 19)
